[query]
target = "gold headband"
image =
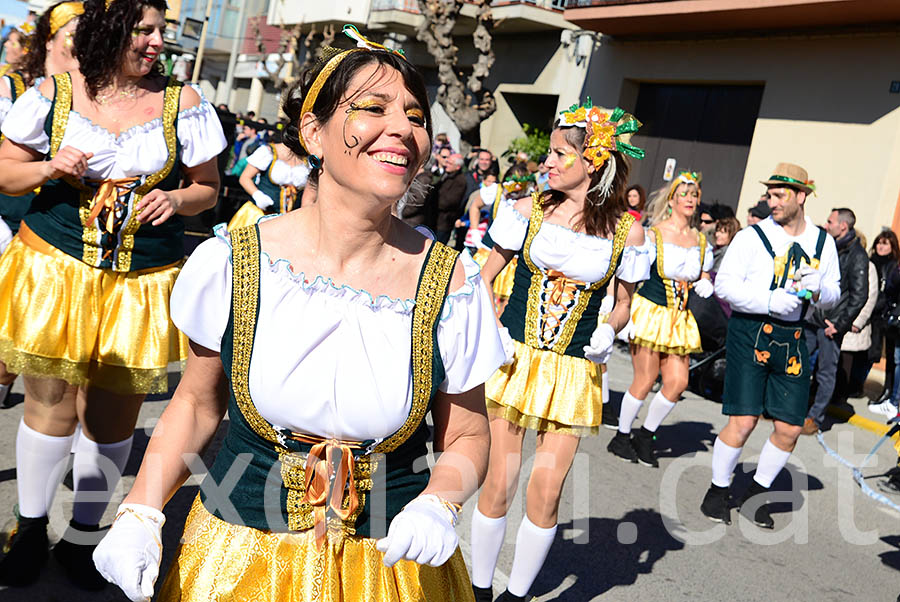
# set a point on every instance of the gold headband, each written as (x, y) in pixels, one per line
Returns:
(64, 13)
(362, 43)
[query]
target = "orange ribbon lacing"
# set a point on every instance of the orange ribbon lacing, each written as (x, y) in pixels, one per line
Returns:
(290, 194)
(107, 197)
(325, 484)
(562, 291)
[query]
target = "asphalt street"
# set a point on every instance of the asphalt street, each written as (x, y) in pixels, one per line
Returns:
(628, 532)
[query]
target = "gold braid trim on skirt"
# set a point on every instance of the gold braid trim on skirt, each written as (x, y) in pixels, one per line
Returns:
(663, 329)
(545, 391)
(232, 563)
(61, 318)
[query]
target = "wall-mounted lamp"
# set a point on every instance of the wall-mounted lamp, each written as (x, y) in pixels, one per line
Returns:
(581, 42)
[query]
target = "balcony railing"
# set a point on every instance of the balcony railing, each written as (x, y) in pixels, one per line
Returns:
(584, 3)
(412, 6)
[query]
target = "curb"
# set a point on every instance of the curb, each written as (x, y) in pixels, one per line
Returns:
(859, 421)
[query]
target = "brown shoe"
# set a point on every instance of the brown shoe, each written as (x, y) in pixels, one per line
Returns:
(809, 427)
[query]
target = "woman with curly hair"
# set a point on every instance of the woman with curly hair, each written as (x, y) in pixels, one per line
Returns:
(85, 284)
(328, 333)
(14, 48)
(571, 241)
(665, 331)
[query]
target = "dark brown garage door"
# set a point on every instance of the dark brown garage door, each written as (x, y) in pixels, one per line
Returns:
(704, 128)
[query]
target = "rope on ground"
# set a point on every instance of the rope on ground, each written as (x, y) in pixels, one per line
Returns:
(857, 472)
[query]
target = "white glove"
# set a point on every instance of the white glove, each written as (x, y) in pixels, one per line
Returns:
(704, 288)
(607, 304)
(810, 278)
(600, 348)
(781, 302)
(262, 200)
(627, 333)
(423, 532)
(129, 554)
(509, 349)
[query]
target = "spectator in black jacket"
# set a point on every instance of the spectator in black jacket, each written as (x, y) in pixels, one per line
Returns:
(885, 256)
(825, 329)
(451, 191)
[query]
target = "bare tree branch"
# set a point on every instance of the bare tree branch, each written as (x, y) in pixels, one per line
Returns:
(467, 104)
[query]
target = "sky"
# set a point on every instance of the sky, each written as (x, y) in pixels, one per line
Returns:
(13, 11)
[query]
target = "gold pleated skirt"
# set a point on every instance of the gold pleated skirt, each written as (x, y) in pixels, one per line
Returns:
(60, 318)
(247, 215)
(662, 329)
(232, 563)
(545, 391)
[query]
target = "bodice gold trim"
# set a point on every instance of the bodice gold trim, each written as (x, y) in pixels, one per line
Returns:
(533, 310)
(245, 294)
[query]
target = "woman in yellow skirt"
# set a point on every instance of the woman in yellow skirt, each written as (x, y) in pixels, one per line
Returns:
(47, 50)
(84, 285)
(328, 332)
(275, 178)
(665, 332)
(571, 241)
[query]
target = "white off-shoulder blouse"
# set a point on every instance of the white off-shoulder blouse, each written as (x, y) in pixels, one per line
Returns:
(579, 256)
(681, 263)
(282, 173)
(137, 151)
(330, 360)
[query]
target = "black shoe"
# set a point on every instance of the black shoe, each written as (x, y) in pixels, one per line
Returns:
(643, 447)
(885, 395)
(77, 558)
(715, 504)
(891, 484)
(761, 517)
(26, 552)
(609, 420)
(483, 594)
(508, 597)
(620, 446)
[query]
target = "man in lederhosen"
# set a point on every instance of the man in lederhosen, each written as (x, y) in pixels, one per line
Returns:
(772, 274)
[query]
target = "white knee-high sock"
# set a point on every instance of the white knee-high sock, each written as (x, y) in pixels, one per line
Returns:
(604, 385)
(725, 458)
(487, 539)
(631, 405)
(657, 412)
(532, 545)
(771, 461)
(96, 472)
(41, 462)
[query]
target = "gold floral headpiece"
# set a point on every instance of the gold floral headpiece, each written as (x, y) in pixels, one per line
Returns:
(26, 28)
(513, 184)
(335, 59)
(607, 131)
(64, 13)
(685, 177)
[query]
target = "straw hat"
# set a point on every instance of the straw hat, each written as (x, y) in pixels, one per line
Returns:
(794, 176)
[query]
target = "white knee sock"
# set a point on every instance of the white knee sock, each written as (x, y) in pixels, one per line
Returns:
(41, 462)
(771, 461)
(725, 458)
(487, 539)
(657, 412)
(631, 405)
(97, 470)
(532, 545)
